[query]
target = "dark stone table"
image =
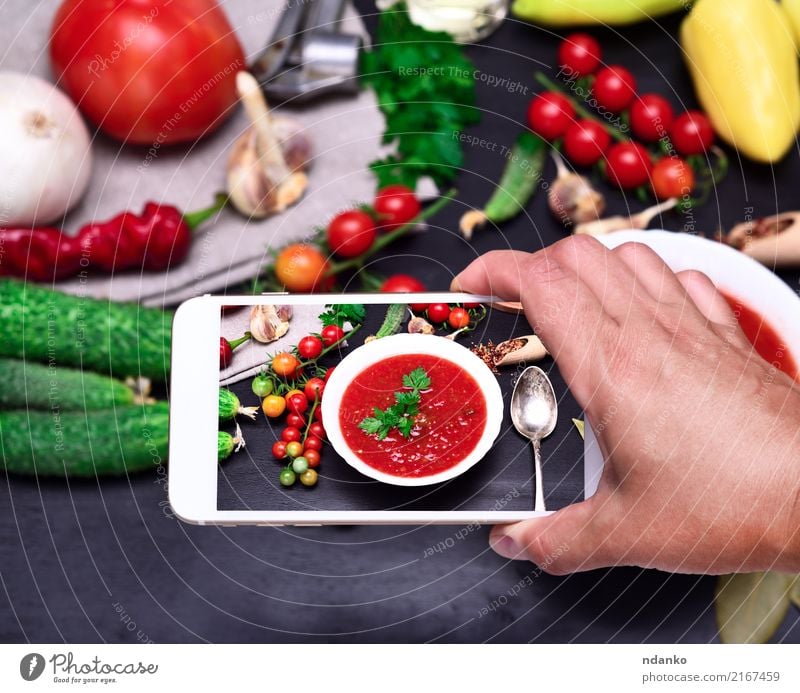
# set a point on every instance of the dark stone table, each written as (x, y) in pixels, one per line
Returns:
(82, 562)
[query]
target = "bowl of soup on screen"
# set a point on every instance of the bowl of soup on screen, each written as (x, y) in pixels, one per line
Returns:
(412, 410)
(766, 307)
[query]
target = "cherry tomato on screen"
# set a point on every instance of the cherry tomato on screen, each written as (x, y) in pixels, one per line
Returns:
(279, 449)
(290, 434)
(312, 443)
(331, 334)
(285, 364)
(273, 406)
(317, 429)
(297, 403)
(313, 457)
(313, 389)
(309, 347)
(295, 420)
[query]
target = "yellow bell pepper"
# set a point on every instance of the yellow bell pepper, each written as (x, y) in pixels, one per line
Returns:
(792, 9)
(743, 60)
(613, 12)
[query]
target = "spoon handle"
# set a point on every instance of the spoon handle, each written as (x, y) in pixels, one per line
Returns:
(538, 504)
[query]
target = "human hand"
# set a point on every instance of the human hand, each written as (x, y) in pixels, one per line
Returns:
(699, 434)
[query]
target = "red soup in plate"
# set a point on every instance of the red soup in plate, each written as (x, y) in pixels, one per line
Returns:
(765, 340)
(451, 420)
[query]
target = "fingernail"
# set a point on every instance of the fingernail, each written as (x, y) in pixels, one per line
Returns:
(454, 285)
(506, 547)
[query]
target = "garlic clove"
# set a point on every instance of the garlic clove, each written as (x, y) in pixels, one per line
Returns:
(418, 325)
(294, 142)
(266, 325)
(571, 197)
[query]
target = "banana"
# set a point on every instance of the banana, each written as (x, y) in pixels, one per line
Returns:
(559, 13)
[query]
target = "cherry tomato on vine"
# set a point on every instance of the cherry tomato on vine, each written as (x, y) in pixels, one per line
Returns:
(309, 477)
(550, 114)
(279, 449)
(318, 414)
(317, 429)
(313, 458)
(285, 364)
(395, 205)
(651, 117)
(438, 312)
(404, 284)
(309, 347)
(290, 434)
(328, 373)
(295, 420)
(585, 142)
(331, 334)
(458, 318)
(262, 385)
(301, 267)
(287, 477)
(614, 87)
(273, 406)
(628, 165)
(580, 53)
(672, 177)
(351, 233)
(313, 389)
(312, 443)
(297, 403)
(294, 448)
(692, 133)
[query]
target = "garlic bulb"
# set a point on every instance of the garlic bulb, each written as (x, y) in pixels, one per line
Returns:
(268, 323)
(571, 197)
(265, 166)
(45, 149)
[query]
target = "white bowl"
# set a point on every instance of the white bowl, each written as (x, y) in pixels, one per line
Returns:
(733, 272)
(396, 345)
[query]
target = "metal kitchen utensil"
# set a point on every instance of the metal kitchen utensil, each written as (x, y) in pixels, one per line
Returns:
(534, 412)
(307, 57)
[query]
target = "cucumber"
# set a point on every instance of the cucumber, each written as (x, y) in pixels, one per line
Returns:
(517, 185)
(228, 444)
(84, 444)
(393, 320)
(230, 406)
(119, 339)
(30, 385)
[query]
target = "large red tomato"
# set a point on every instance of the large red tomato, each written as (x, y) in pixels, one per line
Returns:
(148, 71)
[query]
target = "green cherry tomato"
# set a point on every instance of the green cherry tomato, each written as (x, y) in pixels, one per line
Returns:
(262, 385)
(308, 478)
(300, 464)
(294, 449)
(287, 477)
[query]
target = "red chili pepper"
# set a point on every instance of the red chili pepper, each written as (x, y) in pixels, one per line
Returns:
(154, 240)
(226, 349)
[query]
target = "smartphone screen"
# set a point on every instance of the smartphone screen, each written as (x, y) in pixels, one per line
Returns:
(252, 479)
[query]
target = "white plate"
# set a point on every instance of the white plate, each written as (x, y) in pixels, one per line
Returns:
(396, 345)
(734, 273)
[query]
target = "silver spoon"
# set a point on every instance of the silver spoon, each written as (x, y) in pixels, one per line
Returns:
(534, 412)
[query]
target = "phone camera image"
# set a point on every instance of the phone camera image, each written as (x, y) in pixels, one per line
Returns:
(389, 406)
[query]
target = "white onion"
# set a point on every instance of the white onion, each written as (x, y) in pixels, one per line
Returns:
(45, 150)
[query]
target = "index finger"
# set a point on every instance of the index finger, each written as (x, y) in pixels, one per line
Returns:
(497, 273)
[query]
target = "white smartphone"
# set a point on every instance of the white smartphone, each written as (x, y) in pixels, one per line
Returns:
(412, 424)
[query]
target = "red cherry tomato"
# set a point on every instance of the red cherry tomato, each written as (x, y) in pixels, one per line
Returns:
(614, 87)
(151, 73)
(402, 284)
(313, 458)
(580, 53)
(550, 114)
(279, 449)
(351, 233)
(438, 312)
(318, 430)
(651, 117)
(291, 434)
(295, 420)
(472, 305)
(318, 414)
(309, 347)
(331, 334)
(297, 404)
(628, 164)
(225, 353)
(672, 177)
(312, 443)
(692, 133)
(458, 318)
(314, 388)
(329, 373)
(396, 205)
(585, 142)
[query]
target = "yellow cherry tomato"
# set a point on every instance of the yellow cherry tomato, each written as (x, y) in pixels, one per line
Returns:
(273, 405)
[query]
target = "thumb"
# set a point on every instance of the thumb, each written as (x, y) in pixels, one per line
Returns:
(570, 540)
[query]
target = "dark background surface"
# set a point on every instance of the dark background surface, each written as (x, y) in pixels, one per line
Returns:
(83, 562)
(502, 479)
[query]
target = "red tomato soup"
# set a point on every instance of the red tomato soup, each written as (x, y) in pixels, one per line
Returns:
(451, 419)
(763, 337)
